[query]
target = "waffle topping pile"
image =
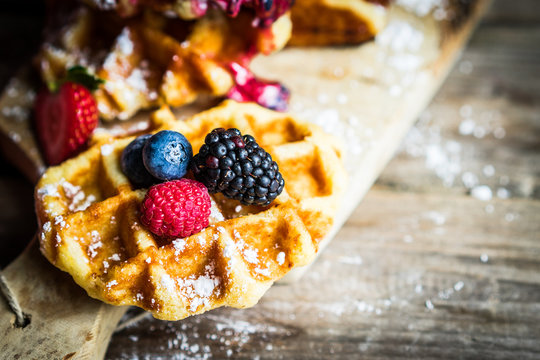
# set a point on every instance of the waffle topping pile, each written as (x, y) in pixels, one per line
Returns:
(227, 162)
(176, 249)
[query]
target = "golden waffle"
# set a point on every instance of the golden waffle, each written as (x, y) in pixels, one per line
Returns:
(150, 59)
(89, 220)
(334, 22)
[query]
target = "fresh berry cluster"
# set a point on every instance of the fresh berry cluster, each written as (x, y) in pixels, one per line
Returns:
(238, 167)
(174, 208)
(227, 162)
(177, 208)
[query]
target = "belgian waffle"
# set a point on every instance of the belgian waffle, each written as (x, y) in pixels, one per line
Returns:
(150, 59)
(334, 22)
(89, 220)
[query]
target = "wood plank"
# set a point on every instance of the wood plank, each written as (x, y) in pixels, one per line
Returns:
(376, 293)
(341, 341)
(484, 125)
(494, 314)
(47, 295)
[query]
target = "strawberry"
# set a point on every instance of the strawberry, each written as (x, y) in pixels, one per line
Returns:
(66, 115)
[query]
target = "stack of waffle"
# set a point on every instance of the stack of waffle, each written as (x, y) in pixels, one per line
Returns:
(173, 51)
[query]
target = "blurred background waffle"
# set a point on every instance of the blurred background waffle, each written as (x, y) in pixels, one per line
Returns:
(153, 58)
(173, 52)
(336, 22)
(89, 224)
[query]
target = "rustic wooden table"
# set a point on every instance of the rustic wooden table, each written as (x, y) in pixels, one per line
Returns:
(441, 259)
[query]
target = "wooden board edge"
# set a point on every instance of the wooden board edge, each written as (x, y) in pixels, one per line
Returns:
(451, 49)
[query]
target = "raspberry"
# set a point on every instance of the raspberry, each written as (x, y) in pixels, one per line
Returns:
(177, 208)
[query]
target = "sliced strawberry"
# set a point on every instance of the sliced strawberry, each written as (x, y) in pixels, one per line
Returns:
(65, 119)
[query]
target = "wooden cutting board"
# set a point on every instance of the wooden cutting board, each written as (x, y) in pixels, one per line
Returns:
(368, 95)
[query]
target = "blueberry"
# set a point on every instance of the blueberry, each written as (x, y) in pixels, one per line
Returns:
(167, 154)
(132, 163)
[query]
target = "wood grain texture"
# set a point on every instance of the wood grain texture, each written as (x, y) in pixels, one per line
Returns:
(405, 277)
(64, 322)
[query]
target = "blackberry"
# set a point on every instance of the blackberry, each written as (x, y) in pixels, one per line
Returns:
(238, 167)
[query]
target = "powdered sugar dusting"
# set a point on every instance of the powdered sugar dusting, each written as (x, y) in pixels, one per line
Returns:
(124, 42)
(107, 149)
(59, 220)
(110, 284)
(95, 244)
(448, 159)
(77, 199)
(482, 192)
(424, 7)
(179, 246)
(280, 258)
(198, 290)
(215, 213)
(47, 226)
(167, 282)
(262, 271)
(251, 255)
(48, 190)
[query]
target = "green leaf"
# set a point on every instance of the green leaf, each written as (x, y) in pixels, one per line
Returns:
(80, 75)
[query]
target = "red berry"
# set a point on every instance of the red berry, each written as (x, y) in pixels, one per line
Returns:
(177, 208)
(65, 120)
